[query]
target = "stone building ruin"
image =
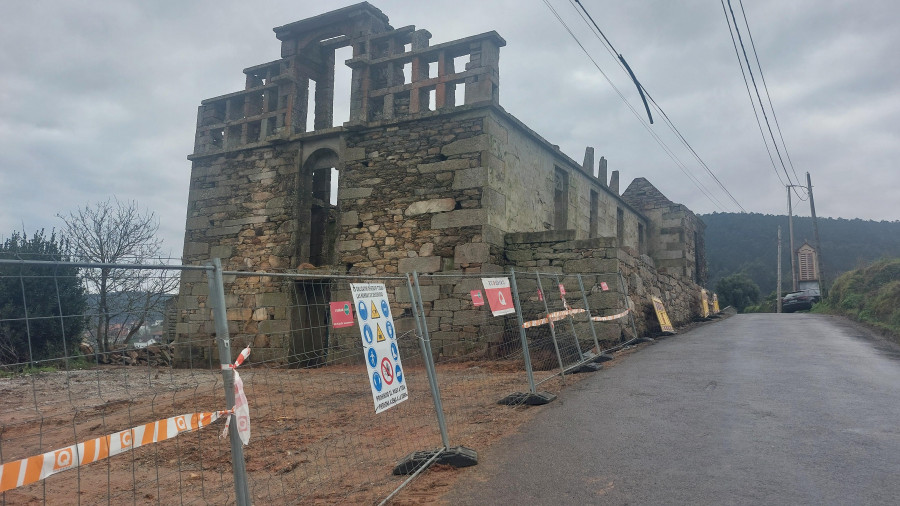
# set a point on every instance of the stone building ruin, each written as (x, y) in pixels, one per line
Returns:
(433, 175)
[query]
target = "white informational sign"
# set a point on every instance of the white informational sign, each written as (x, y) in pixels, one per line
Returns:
(499, 295)
(379, 340)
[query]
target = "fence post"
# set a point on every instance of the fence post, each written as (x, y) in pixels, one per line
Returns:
(562, 368)
(527, 354)
(425, 343)
(532, 397)
(587, 307)
(223, 340)
(458, 456)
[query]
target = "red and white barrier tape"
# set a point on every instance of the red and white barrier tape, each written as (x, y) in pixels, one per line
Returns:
(610, 318)
(552, 317)
(32, 469)
(241, 408)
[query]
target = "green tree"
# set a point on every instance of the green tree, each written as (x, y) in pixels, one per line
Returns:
(738, 290)
(41, 307)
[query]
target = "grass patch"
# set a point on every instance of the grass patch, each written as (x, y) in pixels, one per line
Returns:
(870, 294)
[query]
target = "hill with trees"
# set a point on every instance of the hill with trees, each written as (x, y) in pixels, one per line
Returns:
(747, 243)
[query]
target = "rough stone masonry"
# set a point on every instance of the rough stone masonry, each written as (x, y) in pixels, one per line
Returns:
(431, 175)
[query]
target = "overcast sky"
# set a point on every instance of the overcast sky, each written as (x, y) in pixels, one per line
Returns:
(99, 97)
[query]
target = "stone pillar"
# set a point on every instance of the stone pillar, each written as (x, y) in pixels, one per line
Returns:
(614, 182)
(601, 175)
(324, 117)
(588, 164)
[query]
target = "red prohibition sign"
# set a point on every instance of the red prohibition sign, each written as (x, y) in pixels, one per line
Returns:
(387, 371)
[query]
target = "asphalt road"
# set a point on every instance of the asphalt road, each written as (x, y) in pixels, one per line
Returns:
(753, 409)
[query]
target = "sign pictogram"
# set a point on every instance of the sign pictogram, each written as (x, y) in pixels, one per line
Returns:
(385, 309)
(363, 312)
(375, 314)
(381, 337)
(387, 370)
(372, 357)
(367, 333)
(376, 382)
(389, 327)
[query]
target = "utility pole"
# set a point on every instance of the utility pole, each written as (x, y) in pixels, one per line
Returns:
(791, 233)
(778, 297)
(812, 210)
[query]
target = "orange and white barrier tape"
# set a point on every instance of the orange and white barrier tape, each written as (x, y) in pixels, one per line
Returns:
(32, 469)
(552, 317)
(610, 318)
(241, 408)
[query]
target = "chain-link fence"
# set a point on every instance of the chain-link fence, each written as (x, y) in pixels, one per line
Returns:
(326, 415)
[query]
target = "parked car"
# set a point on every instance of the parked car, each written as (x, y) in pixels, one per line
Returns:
(797, 301)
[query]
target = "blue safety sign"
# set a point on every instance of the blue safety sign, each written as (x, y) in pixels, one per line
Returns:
(361, 309)
(379, 336)
(376, 381)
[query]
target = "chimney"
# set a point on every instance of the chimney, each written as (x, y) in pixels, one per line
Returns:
(602, 174)
(614, 182)
(588, 164)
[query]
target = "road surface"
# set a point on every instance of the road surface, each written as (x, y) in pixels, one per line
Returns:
(753, 409)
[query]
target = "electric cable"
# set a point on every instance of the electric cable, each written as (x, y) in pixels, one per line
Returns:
(700, 186)
(616, 55)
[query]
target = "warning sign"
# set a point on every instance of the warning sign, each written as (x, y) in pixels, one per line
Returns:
(664, 323)
(379, 339)
(341, 314)
(477, 299)
(499, 295)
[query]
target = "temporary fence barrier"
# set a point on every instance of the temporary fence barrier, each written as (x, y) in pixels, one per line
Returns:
(319, 396)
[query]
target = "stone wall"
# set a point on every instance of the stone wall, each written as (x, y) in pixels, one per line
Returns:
(560, 253)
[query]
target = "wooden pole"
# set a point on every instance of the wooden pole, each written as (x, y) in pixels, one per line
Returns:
(791, 233)
(778, 289)
(818, 263)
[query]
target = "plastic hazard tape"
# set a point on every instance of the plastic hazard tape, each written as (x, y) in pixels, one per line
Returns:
(33, 469)
(609, 318)
(241, 408)
(552, 317)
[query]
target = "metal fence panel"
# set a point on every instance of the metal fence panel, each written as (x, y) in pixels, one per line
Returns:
(315, 434)
(90, 373)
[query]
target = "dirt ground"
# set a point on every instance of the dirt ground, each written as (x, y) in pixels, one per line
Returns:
(315, 437)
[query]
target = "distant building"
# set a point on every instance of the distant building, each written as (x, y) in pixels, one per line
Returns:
(808, 267)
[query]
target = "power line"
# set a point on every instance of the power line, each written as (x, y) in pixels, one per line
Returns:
(766, 88)
(615, 54)
(758, 97)
(658, 140)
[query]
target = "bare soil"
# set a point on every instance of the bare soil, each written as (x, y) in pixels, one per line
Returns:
(315, 437)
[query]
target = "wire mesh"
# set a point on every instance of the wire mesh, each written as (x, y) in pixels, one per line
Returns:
(315, 434)
(87, 366)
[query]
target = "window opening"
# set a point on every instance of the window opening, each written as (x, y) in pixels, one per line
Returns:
(620, 226)
(311, 107)
(343, 77)
(560, 198)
